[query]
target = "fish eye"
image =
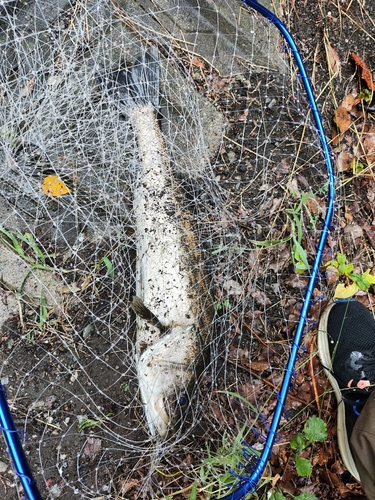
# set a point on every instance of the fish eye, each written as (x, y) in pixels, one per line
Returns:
(182, 400)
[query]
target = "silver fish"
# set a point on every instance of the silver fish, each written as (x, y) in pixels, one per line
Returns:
(173, 306)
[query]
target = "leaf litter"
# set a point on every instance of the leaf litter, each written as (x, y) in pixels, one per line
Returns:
(341, 60)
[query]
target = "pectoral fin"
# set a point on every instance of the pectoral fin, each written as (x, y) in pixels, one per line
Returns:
(144, 312)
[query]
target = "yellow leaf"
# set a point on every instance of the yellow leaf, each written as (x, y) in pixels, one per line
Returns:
(54, 186)
(345, 292)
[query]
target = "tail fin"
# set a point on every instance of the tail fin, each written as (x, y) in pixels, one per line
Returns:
(137, 85)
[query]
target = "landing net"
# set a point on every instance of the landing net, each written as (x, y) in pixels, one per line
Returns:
(243, 146)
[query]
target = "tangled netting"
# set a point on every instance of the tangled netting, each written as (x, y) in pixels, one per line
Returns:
(242, 146)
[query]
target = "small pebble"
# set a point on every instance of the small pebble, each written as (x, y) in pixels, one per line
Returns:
(3, 466)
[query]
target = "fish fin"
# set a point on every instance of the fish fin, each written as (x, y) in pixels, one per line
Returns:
(144, 312)
(137, 85)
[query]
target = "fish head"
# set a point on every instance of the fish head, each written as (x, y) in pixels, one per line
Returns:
(166, 375)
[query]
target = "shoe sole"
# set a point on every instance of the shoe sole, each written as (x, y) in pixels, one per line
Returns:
(325, 358)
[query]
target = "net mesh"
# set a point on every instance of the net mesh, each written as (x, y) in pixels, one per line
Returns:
(238, 133)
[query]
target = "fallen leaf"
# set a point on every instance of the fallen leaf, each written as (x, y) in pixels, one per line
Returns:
(355, 231)
(261, 298)
(232, 287)
(126, 486)
(349, 101)
(92, 448)
(333, 60)
(49, 401)
(242, 356)
(27, 88)
(369, 143)
(342, 119)
(370, 233)
(365, 72)
(197, 62)
(331, 275)
(54, 186)
(345, 292)
(344, 161)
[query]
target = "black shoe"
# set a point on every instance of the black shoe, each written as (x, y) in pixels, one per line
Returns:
(346, 343)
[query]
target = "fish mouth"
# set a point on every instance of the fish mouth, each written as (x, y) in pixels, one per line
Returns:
(161, 420)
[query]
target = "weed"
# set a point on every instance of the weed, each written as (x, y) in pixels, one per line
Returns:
(295, 217)
(365, 95)
(215, 473)
(32, 253)
(108, 264)
(314, 431)
(220, 305)
(88, 423)
(356, 280)
(357, 167)
(42, 315)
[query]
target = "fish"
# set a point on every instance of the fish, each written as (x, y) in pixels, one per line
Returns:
(173, 305)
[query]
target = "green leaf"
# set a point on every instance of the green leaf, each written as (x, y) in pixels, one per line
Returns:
(345, 269)
(109, 266)
(364, 281)
(341, 259)
(303, 467)
(193, 494)
(298, 442)
(276, 495)
(87, 423)
(306, 496)
(315, 430)
(270, 243)
(300, 254)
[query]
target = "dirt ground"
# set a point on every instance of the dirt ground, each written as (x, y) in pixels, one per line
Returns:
(55, 380)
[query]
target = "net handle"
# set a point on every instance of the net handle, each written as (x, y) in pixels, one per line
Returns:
(247, 484)
(15, 449)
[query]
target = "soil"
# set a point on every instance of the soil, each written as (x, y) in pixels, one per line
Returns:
(82, 368)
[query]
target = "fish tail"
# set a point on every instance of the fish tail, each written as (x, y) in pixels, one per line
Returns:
(137, 85)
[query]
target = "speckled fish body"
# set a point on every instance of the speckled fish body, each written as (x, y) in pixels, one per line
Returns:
(172, 304)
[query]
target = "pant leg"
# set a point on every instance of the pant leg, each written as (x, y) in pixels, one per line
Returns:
(362, 442)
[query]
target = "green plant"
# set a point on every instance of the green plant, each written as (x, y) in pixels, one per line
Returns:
(88, 423)
(108, 264)
(26, 247)
(365, 95)
(41, 317)
(295, 217)
(276, 495)
(220, 305)
(357, 167)
(314, 431)
(356, 280)
(215, 473)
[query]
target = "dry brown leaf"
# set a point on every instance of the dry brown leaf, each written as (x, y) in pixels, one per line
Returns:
(126, 486)
(27, 88)
(370, 233)
(344, 161)
(261, 298)
(342, 119)
(333, 60)
(197, 62)
(349, 101)
(92, 448)
(355, 231)
(242, 356)
(369, 143)
(365, 72)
